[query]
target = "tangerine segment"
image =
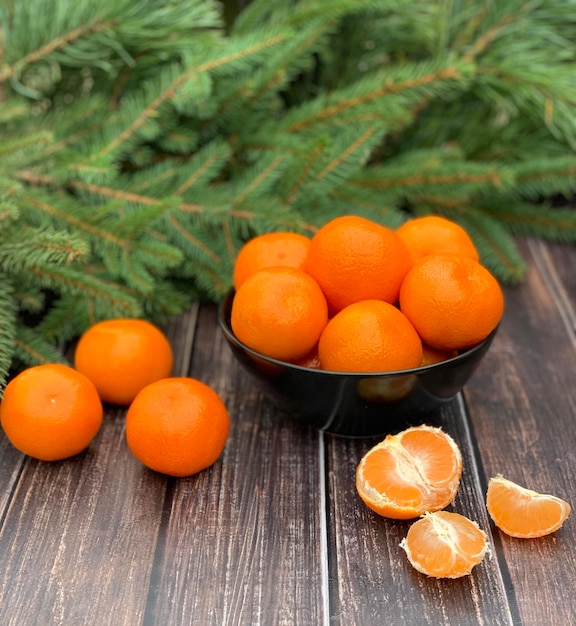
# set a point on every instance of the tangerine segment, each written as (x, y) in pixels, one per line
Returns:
(410, 473)
(523, 513)
(445, 545)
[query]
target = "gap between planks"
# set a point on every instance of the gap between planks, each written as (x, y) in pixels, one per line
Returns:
(324, 569)
(545, 265)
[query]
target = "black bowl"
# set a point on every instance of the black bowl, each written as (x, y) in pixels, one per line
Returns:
(355, 404)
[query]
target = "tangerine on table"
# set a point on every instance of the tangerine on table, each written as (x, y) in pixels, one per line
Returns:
(51, 412)
(121, 356)
(283, 249)
(523, 513)
(177, 426)
(279, 312)
(453, 302)
(353, 259)
(433, 234)
(410, 473)
(445, 545)
(369, 336)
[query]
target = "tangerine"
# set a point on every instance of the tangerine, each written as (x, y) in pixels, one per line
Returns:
(369, 336)
(523, 513)
(353, 259)
(433, 234)
(284, 249)
(445, 545)
(177, 426)
(431, 356)
(51, 412)
(453, 302)
(122, 356)
(279, 312)
(408, 474)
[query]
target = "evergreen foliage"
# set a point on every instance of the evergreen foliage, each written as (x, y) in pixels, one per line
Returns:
(142, 141)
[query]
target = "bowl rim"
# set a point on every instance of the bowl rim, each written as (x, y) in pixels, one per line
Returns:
(226, 327)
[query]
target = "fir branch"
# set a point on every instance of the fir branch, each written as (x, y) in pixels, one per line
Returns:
(33, 247)
(92, 289)
(183, 231)
(192, 72)
(507, 21)
(118, 194)
(304, 173)
(32, 349)
(8, 316)
(351, 149)
(523, 219)
(8, 72)
(389, 87)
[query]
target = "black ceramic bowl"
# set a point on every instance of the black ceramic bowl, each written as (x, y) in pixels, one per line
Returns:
(355, 404)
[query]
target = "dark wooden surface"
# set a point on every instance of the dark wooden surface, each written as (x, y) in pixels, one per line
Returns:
(274, 532)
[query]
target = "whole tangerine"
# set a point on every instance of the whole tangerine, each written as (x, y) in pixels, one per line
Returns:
(369, 336)
(432, 234)
(122, 356)
(353, 259)
(453, 302)
(277, 249)
(280, 313)
(51, 412)
(177, 426)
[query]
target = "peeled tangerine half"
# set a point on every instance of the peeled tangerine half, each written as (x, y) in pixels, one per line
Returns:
(410, 473)
(445, 545)
(523, 513)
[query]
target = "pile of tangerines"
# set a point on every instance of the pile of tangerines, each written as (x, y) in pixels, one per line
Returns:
(356, 297)
(361, 297)
(174, 425)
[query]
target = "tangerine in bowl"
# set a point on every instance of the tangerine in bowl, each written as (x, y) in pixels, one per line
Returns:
(354, 404)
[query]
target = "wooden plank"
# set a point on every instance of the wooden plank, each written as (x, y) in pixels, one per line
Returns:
(11, 466)
(78, 541)
(522, 406)
(373, 581)
(241, 542)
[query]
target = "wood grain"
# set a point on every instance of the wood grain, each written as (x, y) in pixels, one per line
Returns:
(522, 406)
(241, 541)
(373, 576)
(274, 533)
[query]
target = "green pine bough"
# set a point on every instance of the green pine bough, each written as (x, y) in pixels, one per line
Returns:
(142, 142)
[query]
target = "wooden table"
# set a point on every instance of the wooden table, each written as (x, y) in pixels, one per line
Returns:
(274, 532)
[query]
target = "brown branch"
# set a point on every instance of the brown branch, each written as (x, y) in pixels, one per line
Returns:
(117, 194)
(388, 88)
(42, 272)
(186, 234)
(350, 150)
(33, 353)
(8, 71)
(440, 179)
(483, 42)
(258, 180)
